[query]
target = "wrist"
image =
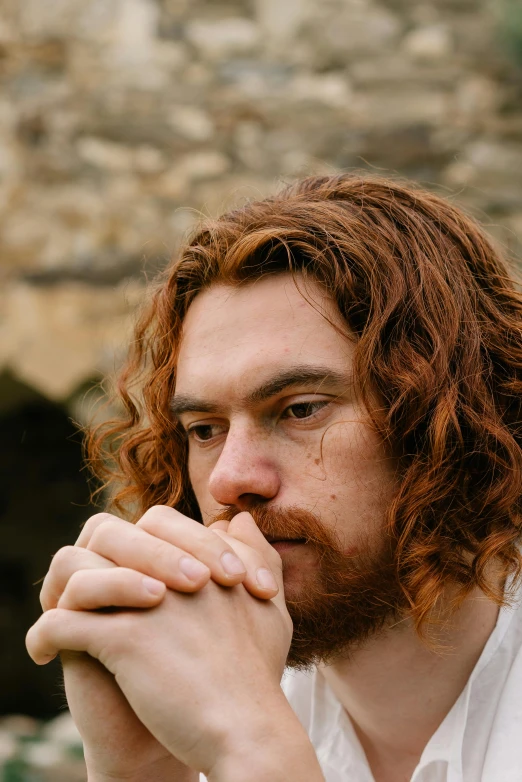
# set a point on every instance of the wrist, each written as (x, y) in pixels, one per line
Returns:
(275, 749)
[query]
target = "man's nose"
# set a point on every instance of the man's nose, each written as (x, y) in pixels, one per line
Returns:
(244, 471)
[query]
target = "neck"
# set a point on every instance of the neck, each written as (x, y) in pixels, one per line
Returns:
(397, 691)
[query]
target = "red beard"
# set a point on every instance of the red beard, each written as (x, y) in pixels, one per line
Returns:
(345, 599)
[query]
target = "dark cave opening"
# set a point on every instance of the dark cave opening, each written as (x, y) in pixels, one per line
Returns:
(44, 499)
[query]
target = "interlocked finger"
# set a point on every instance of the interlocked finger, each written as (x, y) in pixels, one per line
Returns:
(259, 579)
(129, 546)
(58, 629)
(92, 524)
(65, 562)
(247, 565)
(179, 551)
(116, 587)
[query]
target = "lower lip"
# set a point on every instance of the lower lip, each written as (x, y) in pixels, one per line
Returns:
(286, 545)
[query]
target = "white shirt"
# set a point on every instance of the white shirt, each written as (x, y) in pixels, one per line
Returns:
(480, 740)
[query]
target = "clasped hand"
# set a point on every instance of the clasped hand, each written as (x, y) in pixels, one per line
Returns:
(200, 664)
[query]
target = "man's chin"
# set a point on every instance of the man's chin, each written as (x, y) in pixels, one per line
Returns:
(334, 617)
(314, 643)
(295, 588)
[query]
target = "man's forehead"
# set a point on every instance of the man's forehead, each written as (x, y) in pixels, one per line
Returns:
(279, 307)
(237, 341)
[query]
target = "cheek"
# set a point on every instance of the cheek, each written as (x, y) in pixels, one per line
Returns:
(358, 475)
(351, 450)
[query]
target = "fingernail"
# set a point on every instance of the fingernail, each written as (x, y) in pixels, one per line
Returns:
(153, 586)
(265, 579)
(193, 568)
(232, 564)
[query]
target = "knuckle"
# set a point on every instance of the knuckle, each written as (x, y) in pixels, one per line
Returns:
(62, 557)
(60, 565)
(49, 620)
(154, 511)
(97, 518)
(94, 521)
(163, 509)
(77, 580)
(104, 521)
(154, 515)
(102, 532)
(31, 640)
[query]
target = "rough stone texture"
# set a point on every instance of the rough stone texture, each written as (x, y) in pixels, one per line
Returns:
(44, 499)
(121, 121)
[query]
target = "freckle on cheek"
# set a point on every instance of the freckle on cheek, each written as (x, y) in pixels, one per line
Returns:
(317, 461)
(333, 496)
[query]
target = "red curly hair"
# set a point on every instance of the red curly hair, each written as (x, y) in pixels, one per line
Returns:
(438, 323)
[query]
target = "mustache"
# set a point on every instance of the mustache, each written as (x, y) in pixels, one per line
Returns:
(293, 523)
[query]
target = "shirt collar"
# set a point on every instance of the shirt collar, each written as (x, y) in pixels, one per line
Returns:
(445, 746)
(338, 746)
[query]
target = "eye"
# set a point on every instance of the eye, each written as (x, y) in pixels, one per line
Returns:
(303, 410)
(202, 433)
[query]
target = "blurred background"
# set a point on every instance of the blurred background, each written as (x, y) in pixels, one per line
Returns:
(121, 123)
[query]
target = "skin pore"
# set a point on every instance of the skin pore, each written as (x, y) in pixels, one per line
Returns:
(264, 391)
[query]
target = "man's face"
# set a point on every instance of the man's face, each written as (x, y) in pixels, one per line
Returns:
(264, 390)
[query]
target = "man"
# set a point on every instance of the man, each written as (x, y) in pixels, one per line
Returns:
(330, 380)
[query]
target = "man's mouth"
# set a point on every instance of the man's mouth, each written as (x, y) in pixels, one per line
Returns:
(284, 544)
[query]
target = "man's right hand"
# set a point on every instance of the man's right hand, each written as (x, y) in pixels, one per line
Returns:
(111, 565)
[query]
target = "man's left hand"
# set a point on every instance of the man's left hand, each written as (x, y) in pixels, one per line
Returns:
(201, 671)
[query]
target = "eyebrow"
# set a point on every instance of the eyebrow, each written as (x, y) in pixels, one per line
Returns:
(302, 375)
